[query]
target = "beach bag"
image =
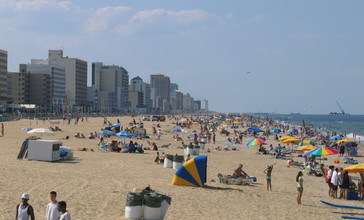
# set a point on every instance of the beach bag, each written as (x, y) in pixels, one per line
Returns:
(152, 206)
(133, 207)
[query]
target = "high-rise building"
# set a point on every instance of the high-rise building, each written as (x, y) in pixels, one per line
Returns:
(160, 86)
(39, 83)
(20, 85)
(76, 76)
(3, 76)
(137, 84)
(112, 84)
(197, 105)
(47, 83)
(136, 98)
(205, 105)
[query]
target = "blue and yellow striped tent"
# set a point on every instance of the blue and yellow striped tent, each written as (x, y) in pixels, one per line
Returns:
(192, 173)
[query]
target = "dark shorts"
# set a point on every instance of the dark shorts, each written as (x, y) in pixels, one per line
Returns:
(299, 189)
(330, 184)
(334, 187)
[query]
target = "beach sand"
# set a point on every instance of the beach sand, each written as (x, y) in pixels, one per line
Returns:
(95, 184)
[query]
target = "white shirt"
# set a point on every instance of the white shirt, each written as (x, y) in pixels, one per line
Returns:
(329, 174)
(52, 212)
(23, 213)
(334, 178)
(65, 216)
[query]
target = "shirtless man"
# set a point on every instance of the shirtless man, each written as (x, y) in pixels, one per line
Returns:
(239, 172)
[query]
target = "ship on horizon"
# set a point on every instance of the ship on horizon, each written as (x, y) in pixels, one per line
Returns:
(339, 113)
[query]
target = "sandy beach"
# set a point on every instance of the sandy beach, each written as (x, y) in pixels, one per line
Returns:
(95, 184)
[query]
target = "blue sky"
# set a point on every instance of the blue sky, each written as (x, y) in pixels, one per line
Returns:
(302, 55)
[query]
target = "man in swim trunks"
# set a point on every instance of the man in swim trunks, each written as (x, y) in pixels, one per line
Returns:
(239, 172)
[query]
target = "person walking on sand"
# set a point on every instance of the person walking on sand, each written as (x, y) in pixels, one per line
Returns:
(2, 130)
(268, 172)
(159, 133)
(62, 207)
(52, 212)
(299, 181)
(24, 210)
(213, 137)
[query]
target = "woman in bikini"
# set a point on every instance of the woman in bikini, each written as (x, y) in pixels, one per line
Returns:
(299, 181)
(268, 172)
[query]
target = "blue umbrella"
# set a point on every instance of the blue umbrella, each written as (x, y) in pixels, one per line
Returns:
(255, 129)
(116, 125)
(336, 137)
(177, 130)
(26, 129)
(275, 130)
(125, 134)
(107, 132)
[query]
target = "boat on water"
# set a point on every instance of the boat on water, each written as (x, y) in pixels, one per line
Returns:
(339, 113)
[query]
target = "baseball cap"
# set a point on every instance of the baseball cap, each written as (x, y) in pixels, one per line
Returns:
(25, 196)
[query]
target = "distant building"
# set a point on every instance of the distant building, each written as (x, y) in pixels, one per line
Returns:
(188, 103)
(197, 105)
(76, 76)
(39, 83)
(136, 99)
(112, 84)
(160, 90)
(137, 84)
(92, 98)
(205, 105)
(3, 77)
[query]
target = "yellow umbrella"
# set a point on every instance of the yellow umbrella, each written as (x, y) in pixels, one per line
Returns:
(237, 122)
(237, 118)
(195, 122)
(293, 140)
(284, 138)
(344, 140)
(228, 119)
(307, 148)
(359, 168)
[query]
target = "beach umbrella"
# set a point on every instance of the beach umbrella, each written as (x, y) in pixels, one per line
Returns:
(292, 130)
(228, 119)
(236, 122)
(255, 129)
(26, 129)
(306, 148)
(107, 132)
(124, 134)
(177, 130)
(322, 151)
(195, 122)
(291, 140)
(358, 168)
(336, 137)
(285, 137)
(306, 142)
(264, 127)
(275, 130)
(237, 118)
(40, 131)
(116, 125)
(344, 140)
(255, 142)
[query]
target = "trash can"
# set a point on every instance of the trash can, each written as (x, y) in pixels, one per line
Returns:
(177, 161)
(168, 161)
(152, 206)
(133, 207)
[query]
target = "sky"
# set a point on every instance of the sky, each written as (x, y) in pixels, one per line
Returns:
(243, 56)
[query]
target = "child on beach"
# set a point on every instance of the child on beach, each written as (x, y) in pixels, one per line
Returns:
(299, 181)
(268, 172)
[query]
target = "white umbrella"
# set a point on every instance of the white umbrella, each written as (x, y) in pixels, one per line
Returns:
(40, 131)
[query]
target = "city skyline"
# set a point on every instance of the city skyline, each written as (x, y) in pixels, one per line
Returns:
(266, 56)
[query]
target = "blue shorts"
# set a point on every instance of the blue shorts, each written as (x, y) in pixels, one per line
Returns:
(269, 177)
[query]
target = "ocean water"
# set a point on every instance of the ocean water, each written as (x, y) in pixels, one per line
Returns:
(338, 123)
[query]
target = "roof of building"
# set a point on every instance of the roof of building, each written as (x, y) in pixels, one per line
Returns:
(137, 78)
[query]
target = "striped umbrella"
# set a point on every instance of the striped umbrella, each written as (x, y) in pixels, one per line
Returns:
(359, 168)
(322, 151)
(255, 142)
